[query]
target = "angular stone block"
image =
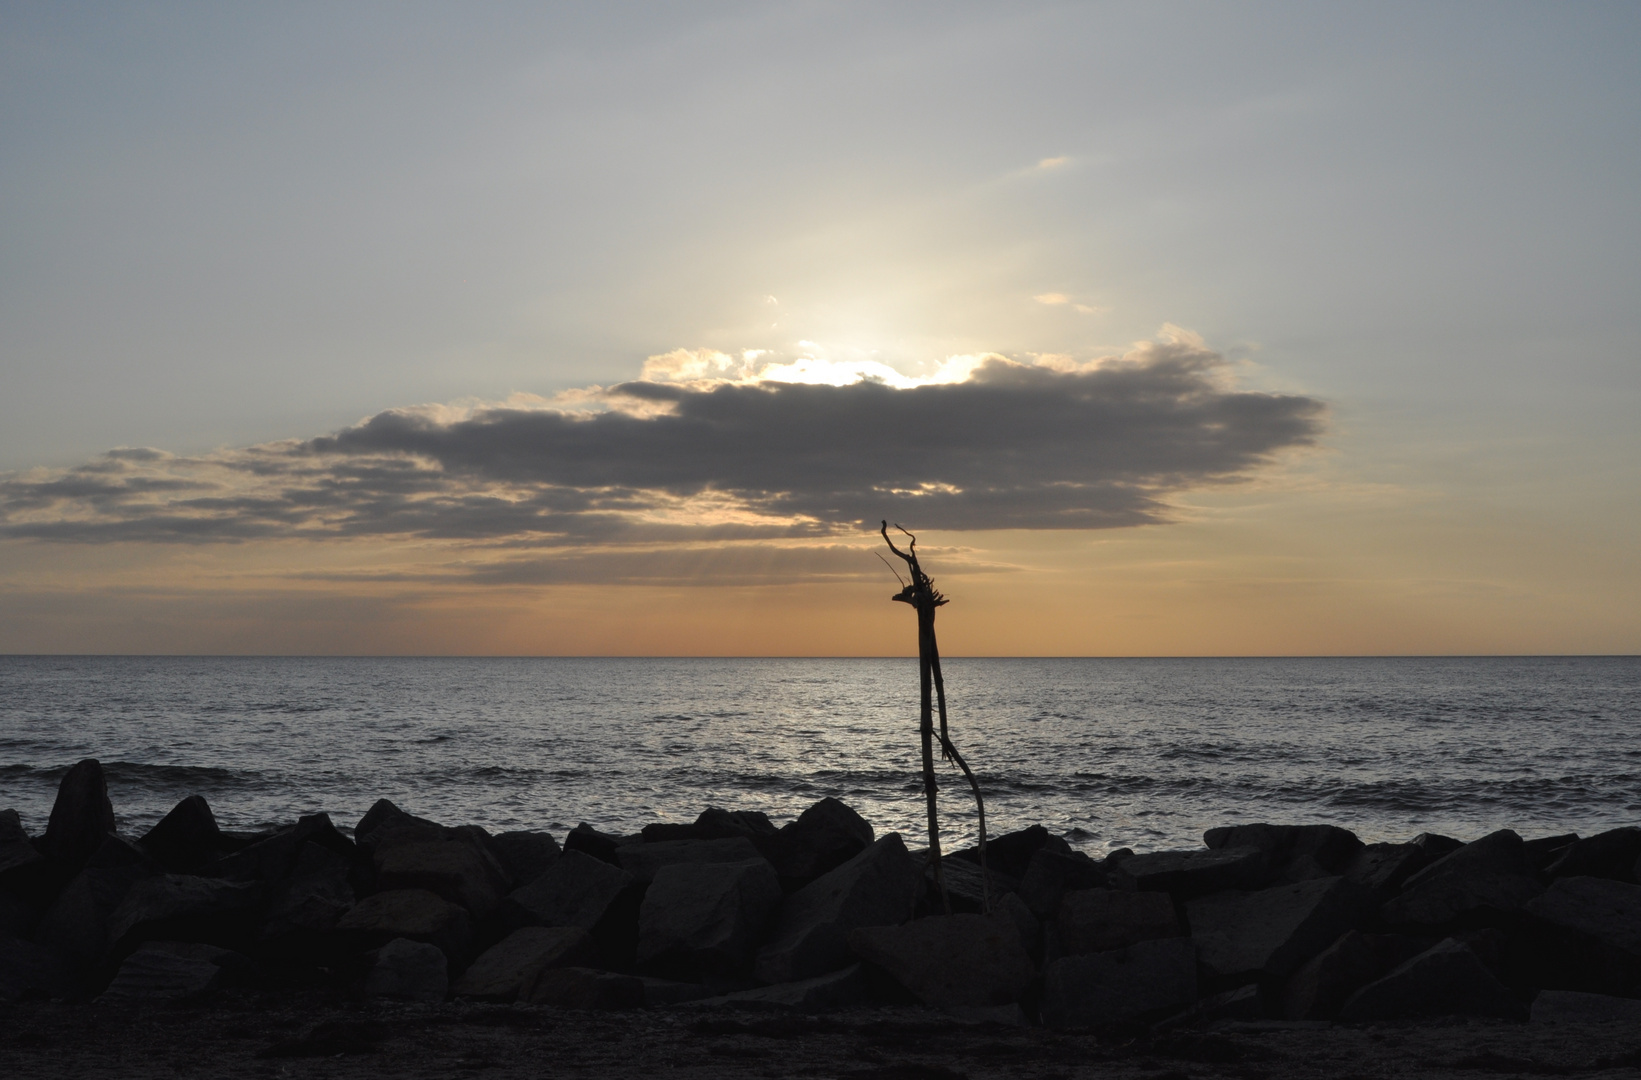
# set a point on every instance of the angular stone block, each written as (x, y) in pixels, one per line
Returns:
(1100, 920)
(1611, 854)
(1185, 874)
(810, 936)
(508, 969)
(416, 914)
(706, 918)
(1572, 1007)
(445, 861)
(1446, 980)
(1480, 879)
(824, 837)
(29, 969)
(585, 988)
(846, 989)
(1272, 932)
(184, 838)
(1050, 874)
(950, 960)
(577, 890)
(526, 855)
(1147, 979)
(16, 852)
(1320, 988)
(1010, 855)
(1384, 867)
(1608, 911)
(411, 970)
(186, 908)
(81, 816)
(642, 861)
(156, 974)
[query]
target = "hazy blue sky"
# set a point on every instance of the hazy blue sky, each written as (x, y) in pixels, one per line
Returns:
(224, 225)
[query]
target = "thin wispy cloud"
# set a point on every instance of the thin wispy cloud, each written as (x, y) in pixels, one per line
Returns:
(709, 447)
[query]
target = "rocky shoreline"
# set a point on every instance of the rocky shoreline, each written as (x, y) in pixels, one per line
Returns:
(1275, 928)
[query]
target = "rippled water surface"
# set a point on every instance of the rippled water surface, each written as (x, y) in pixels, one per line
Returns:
(1144, 753)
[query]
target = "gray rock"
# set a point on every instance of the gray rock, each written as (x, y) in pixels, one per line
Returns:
(312, 899)
(577, 890)
(811, 932)
(526, 855)
(1241, 1004)
(1050, 874)
(600, 845)
(16, 852)
(507, 970)
(1292, 852)
(1026, 924)
(1142, 980)
(29, 969)
(184, 838)
(81, 816)
(1600, 908)
(1384, 867)
(384, 816)
(416, 914)
(1185, 874)
(1446, 980)
(706, 918)
(1010, 855)
(185, 908)
(1573, 1007)
(660, 992)
(642, 861)
(1544, 850)
(158, 974)
(715, 823)
(76, 923)
(950, 960)
(586, 988)
(965, 886)
(824, 837)
(1611, 854)
(1273, 931)
(271, 858)
(412, 970)
(450, 862)
(1488, 875)
(1319, 989)
(846, 989)
(1100, 920)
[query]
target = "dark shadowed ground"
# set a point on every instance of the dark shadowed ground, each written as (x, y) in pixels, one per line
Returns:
(293, 1035)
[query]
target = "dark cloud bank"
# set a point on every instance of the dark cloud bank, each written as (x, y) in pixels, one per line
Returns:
(1014, 446)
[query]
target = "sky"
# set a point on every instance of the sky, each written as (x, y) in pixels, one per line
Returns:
(591, 328)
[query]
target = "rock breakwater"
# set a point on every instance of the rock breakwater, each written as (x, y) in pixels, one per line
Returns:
(1264, 923)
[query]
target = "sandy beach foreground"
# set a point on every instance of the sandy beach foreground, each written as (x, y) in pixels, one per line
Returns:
(318, 1035)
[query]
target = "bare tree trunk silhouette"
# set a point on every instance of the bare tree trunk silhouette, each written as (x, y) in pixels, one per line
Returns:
(924, 599)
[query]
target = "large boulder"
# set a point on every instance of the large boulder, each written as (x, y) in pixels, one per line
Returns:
(706, 918)
(76, 923)
(81, 816)
(508, 969)
(383, 816)
(155, 973)
(1320, 988)
(29, 969)
(1151, 978)
(950, 961)
(1187, 874)
(590, 841)
(1448, 979)
(16, 852)
(416, 914)
(450, 862)
(1612, 854)
(1573, 1007)
(586, 988)
(1101, 920)
(270, 858)
(844, 989)
(184, 838)
(824, 837)
(1384, 867)
(967, 888)
(715, 823)
(1272, 931)
(311, 899)
(1292, 852)
(182, 907)
(525, 855)
(1478, 882)
(810, 936)
(577, 890)
(411, 970)
(642, 861)
(1010, 854)
(1605, 910)
(1050, 874)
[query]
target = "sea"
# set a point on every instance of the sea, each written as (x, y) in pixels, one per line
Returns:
(1138, 753)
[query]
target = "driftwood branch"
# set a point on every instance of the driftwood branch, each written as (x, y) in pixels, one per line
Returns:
(925, 599)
